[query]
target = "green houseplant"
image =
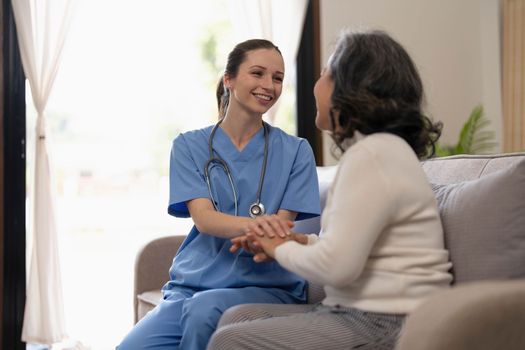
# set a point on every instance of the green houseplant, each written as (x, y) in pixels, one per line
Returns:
(473, 139)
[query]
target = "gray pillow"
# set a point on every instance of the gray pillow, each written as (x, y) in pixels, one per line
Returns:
(484, 224)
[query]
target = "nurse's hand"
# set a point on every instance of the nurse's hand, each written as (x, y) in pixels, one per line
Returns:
(271, 226)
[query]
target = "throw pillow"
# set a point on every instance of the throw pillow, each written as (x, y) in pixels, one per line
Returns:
(484, 225)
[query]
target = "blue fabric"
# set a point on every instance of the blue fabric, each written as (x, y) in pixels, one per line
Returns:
(204, 263)
(290, 181)
(186, 318)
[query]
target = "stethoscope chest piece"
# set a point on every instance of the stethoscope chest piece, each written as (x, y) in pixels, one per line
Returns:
(256, 209)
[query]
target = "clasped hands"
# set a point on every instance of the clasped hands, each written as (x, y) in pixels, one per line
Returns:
(263, 235)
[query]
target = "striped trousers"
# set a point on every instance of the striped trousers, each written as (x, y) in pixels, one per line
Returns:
(305, 327)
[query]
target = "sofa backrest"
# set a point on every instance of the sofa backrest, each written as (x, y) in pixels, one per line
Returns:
(325, 175)
(450, 170)
(481, 200)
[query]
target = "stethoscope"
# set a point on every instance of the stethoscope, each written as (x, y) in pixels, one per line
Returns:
(257, 208)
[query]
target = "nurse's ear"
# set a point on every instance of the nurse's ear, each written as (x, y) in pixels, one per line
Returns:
(228, 81)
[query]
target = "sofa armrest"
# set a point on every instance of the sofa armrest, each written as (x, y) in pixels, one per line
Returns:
(152, 264)
(477, 315)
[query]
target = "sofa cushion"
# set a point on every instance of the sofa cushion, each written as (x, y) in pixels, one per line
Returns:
(484, 224)
(147, 302)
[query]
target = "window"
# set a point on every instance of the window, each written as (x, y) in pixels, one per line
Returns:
(133, 75)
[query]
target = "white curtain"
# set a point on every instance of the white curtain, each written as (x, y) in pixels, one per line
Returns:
(42, 26)
(276, 20)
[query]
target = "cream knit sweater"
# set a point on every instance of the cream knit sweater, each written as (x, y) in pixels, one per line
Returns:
(381, 247)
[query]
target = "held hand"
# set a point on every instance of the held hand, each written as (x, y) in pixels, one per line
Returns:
(248, 245)
(266, 243)
(299, 238)
(241, 242)
(271, 226)
(244, 243)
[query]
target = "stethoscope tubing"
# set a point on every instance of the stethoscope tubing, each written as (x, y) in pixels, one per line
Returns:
(257, 208)
(263, 168)
(228, 173)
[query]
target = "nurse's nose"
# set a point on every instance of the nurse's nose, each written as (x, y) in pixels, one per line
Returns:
(267, 82)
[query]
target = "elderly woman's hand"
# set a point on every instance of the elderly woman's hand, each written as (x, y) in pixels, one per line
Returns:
(266, 243)
(270, 226)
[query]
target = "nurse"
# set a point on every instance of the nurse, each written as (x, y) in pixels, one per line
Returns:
(230, 177)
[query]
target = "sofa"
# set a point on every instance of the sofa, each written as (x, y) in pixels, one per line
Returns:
(482, 205)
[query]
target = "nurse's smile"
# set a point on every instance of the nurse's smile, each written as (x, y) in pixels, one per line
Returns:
(263, 99)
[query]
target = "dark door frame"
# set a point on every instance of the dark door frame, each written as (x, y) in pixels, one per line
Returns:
(14, 185)
(308, 70)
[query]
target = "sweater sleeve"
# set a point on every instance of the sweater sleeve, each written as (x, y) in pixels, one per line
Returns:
(359, 210)
(312, 238)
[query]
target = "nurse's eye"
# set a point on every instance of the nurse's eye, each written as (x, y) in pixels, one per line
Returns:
(278, 79)
(257, 73)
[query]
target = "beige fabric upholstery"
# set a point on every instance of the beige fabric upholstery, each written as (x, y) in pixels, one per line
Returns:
(147, 301)
(456, 169)
(476, 315)
(151, 272)
(484, 225)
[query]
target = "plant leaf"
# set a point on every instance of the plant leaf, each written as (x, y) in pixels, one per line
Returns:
(472, 139)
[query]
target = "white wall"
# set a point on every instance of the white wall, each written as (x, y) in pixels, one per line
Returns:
(455, 44)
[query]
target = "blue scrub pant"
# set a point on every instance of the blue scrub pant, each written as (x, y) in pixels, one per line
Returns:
(186, 318)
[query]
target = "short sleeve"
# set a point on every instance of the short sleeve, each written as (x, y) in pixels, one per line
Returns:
(302, 190)
(186, 179)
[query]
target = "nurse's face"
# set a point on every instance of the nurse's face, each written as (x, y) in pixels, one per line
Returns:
(323, 90)
(258, 83)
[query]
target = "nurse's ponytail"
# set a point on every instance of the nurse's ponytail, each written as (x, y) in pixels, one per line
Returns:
(223, 97)
(235, 59)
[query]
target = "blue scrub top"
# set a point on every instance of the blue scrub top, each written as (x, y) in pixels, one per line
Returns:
(204, 261)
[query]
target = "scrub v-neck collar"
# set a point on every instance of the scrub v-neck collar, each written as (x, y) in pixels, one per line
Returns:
(254, 146)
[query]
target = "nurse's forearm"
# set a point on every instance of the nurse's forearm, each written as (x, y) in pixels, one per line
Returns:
(209, 221)
(214, 223)
(222, 225)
